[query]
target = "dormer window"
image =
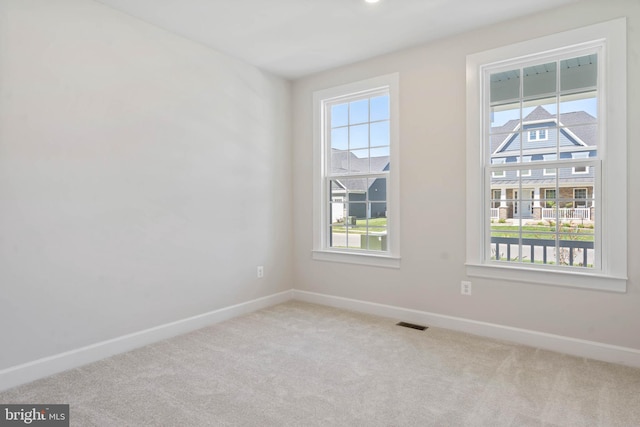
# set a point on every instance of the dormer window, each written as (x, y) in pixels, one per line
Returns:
(538, 135)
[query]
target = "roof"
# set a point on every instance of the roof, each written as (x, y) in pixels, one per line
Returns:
(580, 123)
(345, 162)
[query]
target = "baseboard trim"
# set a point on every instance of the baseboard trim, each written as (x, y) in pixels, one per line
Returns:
(41, 368)
(573, 346)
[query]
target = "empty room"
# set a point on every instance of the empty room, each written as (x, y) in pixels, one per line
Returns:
(319, 213)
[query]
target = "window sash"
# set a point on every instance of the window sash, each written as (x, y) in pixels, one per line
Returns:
(611, 38)
(551, 163)
(324, 174)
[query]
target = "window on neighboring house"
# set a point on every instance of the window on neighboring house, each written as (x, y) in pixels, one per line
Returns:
(537, 135)
(584, 169)
(580, 197)
(550, 197)
(496, 196)
(499, 173)
(549, 171)
(568, 82)
(525, 172)
(356, 188)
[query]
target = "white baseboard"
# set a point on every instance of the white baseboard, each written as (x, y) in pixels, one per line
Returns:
(576, 347)
(31, 371)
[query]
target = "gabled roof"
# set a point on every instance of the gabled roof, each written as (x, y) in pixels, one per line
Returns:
(581, 126)
(538, 114)
(341, 160)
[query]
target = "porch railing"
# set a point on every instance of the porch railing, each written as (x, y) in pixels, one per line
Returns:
(495, 213)
(567, 213)
(570, 251)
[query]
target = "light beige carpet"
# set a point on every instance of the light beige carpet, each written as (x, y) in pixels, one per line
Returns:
(299, 364)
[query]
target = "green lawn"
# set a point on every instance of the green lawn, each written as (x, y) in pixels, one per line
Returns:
(376, 225)
(543, 232)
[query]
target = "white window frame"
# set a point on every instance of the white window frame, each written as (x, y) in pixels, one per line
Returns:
(611, 234)
(537, 133)
(321, 248)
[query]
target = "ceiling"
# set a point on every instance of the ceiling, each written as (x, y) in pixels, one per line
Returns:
(294, 38)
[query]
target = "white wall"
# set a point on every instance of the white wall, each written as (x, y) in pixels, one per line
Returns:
(143, 178)
(432, 133)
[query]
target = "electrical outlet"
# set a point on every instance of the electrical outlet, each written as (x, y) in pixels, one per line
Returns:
(465, 288)
(260, 272)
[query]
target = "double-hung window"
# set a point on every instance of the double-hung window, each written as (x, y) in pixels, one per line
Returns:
(550, 115)
(356, 183)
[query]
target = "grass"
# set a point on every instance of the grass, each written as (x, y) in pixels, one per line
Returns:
(376, 225)
(543, 232)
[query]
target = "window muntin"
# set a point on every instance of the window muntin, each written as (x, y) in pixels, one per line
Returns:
(359, 161)
(356, 190)
(556, 230)
(540, 114)
(607, 164)
(543, 232)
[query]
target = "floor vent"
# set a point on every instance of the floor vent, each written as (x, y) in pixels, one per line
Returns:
(412, 326)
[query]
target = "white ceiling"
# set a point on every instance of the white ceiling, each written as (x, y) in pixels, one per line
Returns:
(293, 38)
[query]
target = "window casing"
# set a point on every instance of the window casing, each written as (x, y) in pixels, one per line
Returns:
(356, 190)
(547, 83)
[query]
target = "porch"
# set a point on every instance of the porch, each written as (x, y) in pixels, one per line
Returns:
(568, 214)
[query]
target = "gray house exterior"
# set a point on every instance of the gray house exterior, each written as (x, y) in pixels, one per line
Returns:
(358, 197)
(538, 139)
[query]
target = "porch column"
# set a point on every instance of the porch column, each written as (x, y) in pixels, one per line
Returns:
(537, 209)
(503, 212)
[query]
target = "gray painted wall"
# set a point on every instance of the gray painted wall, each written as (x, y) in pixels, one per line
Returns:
(432, 126)
(143, 178)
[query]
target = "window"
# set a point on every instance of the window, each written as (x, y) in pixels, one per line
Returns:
(580, 197)
(525, 172)
(559, 92)
(577, 170)
(549, 158)
(538, 135)
(550, 197)
(499, 173)
(496, 196)
(356, 184)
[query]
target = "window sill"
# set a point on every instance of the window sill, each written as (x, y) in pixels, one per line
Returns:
(369, 259)
(573, 279)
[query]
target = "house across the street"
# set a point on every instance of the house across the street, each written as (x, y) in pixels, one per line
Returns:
(538, 192)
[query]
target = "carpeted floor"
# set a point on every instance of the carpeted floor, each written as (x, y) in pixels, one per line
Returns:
(299, 364)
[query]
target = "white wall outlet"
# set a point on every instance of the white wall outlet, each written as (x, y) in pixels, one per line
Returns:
(260, 272)
(465, 288)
